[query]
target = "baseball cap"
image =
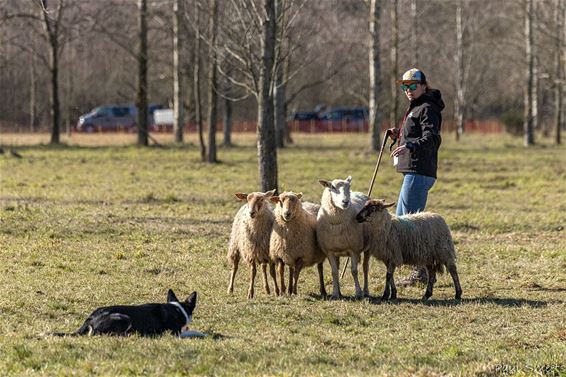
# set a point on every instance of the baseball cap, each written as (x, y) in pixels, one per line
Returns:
(412, 75)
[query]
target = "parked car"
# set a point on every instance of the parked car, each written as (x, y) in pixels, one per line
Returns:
(303, 115)
(113, 118)
(346, 113)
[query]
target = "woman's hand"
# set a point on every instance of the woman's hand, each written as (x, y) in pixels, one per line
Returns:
(394, 133)
(399, 151)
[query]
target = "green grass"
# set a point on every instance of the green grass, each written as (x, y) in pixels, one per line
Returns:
(82, 227)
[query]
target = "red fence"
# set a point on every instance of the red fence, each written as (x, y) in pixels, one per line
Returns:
(325, 126)
(305, 126)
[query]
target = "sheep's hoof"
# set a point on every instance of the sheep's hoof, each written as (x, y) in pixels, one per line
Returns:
(385, 298)
(459, 296)
(426, 297)
(359, 295)
(336, 297)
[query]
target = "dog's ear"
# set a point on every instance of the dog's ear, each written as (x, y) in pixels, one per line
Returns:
(171, 296)
(192, 301)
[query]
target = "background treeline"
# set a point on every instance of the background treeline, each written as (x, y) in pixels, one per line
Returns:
(326, 44)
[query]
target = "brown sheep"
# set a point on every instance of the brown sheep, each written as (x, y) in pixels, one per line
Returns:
(249, 239)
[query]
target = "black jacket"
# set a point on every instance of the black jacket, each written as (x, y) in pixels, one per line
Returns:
(420, 133)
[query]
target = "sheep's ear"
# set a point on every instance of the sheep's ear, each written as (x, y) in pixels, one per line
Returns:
(274, 199)
(299, 195)
(269, 194)
(325, 183)
(241, 196)
(349, 179)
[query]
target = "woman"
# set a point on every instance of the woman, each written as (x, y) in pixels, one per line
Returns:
(416, 155)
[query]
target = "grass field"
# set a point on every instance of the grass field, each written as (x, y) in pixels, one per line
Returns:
(90, 224)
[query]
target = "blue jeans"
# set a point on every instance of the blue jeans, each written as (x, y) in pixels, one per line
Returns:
(414, 193)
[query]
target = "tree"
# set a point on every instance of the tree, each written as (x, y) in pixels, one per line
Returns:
(267, 151)
(52, 25)
(559, 69)
(227, 108)
(374, 74)
(459, 103)
(196, 83)
(280, 84)
(394, 57)
(529, 138)
(178, 87)
(254, 29)
(141, 98)
(212, 81)
(414, 30)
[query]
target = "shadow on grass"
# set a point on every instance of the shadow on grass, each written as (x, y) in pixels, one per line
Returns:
(500, 301)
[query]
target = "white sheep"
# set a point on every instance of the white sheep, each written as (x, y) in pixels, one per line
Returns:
(421, 239)
(249, 239)
(338, 232)
(293, 239)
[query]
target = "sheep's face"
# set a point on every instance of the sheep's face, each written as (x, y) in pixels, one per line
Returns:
(256, 201)
(372, 210)
(288, 204)
(339, 191)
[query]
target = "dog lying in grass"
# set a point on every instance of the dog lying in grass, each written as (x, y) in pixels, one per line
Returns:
(144, 320)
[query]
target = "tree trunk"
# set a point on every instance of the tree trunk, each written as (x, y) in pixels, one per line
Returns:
(394, 54)
(52, 31)
(535, 97)
(374, 74)
(227, 118)
(227, 125)
(178, 87)
(32, 95)
(459, 100)
(55, 104)
(267, 149)
(212, 82)
(70, 93)
(414, 29)
(559, 70)
(529, 138)
(141, 100)
(286, 70)
(279, 87)
(196, 83)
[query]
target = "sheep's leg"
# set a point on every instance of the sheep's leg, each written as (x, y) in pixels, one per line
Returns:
(233, 271)
(265, 282)
(282, 276)
(454, 273)
(354, 268)
(320, 268)
(387, 289)
(291, 285)
(366, 273)
(391, 273)
(252, 279)
(335, 282)
(274, 277)
(431, 280)
(297, 270)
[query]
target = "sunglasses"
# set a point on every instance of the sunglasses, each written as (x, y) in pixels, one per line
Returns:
(410, 86)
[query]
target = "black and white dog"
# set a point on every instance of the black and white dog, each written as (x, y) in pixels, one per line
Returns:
(145, 320)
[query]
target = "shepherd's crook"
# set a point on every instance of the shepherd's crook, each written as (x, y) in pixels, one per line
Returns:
(370, 185)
